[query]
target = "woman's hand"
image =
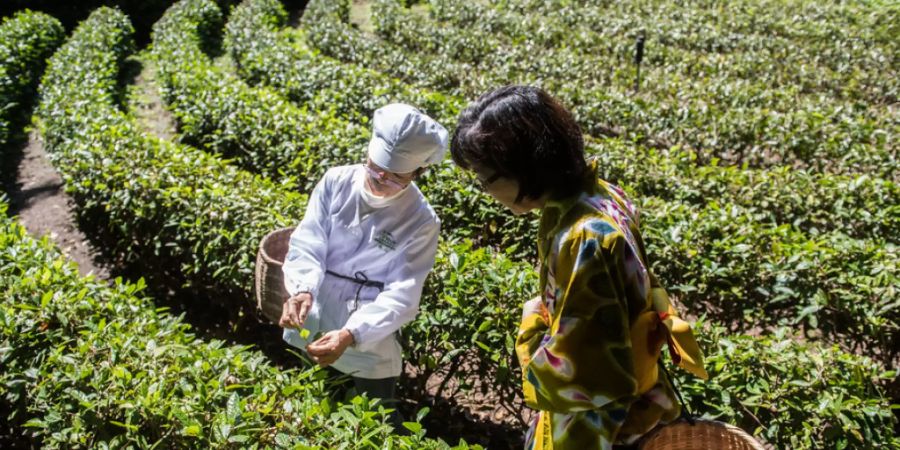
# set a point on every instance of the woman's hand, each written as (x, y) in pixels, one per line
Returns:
(295, 310)
(328, 348)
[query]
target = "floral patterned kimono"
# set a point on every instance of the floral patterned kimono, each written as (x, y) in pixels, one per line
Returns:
(589, 345)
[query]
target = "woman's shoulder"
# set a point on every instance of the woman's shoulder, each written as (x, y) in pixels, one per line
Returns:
(340, 178)
(597, 217)
(341, 173)
(422, 209)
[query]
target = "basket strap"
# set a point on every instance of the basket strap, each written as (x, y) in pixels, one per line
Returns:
(686, 413)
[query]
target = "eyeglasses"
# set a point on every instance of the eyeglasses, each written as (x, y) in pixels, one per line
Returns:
(485, 183)
(381, 177)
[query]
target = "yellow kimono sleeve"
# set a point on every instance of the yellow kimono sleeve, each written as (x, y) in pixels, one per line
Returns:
(585, 362)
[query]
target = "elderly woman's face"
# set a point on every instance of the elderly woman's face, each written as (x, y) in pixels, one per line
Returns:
(385, 184)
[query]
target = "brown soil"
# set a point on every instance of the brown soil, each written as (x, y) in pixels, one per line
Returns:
(38, 198)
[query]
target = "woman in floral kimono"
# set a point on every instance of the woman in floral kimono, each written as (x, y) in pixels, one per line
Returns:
(590, 343)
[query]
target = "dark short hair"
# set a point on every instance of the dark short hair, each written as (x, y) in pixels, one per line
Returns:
(522, 133)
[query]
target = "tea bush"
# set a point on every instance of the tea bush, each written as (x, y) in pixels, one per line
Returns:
(217, 111)
(326, 23)
(88, 365)
(26, 40)
(181, 205)
(693, 99)
(264, 57)
(725, 236)
(158, 200)
(734, 120)
(792, 394)
(861, 206)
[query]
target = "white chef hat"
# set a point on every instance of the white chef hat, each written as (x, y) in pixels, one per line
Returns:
(405, 139)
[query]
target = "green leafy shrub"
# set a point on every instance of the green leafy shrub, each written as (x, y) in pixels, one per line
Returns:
(712, 113)
(88, 365)
(861, 206)
(177, 204)
(158, 200)
(26, 40)
(794, 395)
(765, 279)
(263, 56)
(326, 23)
(218, 112)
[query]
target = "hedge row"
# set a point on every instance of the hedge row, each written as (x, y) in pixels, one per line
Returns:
(264, 57)
(27, 39)
(722, 260)
(808, 136)
(444, 307)
(168, 199)
(326, 22)
(88, 365)
(736, 121)
(695, 41)
(867, 420)
(819, 279)
(860, 206)
(803, 22)
(863, 206)
(136, 376)
(792, 394)
(217, 111)
(184, 211)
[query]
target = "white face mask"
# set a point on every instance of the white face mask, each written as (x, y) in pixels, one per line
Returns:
(378, 202)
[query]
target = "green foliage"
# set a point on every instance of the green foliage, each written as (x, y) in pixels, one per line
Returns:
(722, 260)
(217, 111)
(158, 200)
(465, 330)
(693, 99)
(26, 40)
(180, 205)
(762, 247)
(794, 395)
(97, 366)
(327, 26)
(862, 206)
(771, 246)
(262, 56)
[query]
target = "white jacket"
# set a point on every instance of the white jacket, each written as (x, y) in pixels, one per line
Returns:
(395, 244)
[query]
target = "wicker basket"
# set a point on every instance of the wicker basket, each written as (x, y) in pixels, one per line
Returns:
(270, 292)
(702, 435)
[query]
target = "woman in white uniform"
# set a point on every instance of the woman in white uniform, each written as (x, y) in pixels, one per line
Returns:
(357, 262)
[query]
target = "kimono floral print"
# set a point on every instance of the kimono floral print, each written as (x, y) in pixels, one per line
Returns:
(589, 345)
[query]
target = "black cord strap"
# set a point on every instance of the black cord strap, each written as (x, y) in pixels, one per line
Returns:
(362, 280)
(685, 411)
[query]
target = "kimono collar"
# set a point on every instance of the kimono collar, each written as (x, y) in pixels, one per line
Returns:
(556, 209)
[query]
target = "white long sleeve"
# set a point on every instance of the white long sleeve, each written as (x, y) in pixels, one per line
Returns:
(398, 304)
(343, 237)
(304, 264)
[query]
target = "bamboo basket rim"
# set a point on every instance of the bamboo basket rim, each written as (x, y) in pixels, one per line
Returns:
(262, 244)
(699, 434)
(267, 267)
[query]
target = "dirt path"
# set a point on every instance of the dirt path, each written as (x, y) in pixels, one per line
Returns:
(37, 194)
(39, 200)
(146, 104)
